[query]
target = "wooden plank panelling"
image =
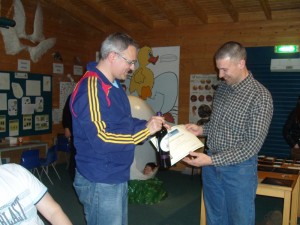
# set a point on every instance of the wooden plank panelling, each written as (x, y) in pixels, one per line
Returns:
(198, 44)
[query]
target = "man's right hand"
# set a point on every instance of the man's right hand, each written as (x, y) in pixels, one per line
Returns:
(155, 124)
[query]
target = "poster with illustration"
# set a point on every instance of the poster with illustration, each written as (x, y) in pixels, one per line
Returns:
(65, 89)
(156, 79)
(202, 88)
(12, 107)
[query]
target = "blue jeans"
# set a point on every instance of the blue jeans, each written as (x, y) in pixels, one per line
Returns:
(104, 204)
(229, 193)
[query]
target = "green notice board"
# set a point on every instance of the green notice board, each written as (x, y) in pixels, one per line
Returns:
(25, 104)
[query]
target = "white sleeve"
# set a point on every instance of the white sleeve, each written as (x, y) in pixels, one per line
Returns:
(27, 179)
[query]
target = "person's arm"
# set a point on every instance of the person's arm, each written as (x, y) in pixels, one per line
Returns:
(68, 133)
(287, 128)
(102, 129)
(52, 211)
(67, 116)
(258, 122)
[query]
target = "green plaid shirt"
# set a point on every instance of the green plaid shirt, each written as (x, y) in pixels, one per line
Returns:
(239, 122)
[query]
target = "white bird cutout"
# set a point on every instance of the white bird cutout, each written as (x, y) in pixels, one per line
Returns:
(37, 51)
(20, 19)
(12, 35)
(11, 41)
(37, 35)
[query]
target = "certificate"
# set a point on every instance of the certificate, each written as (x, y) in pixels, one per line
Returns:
(181, 142)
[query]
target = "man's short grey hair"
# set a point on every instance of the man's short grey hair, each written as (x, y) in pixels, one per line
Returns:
(116, 42)
(231, 49)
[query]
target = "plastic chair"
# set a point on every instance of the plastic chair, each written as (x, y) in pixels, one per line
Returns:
(31, 161)
(50, 160)
(63, 145)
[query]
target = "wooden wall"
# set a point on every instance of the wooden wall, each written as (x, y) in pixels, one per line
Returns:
(197, 47)
(72, 40)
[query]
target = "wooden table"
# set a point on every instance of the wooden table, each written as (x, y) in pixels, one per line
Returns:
(24, 146)
(290, 195)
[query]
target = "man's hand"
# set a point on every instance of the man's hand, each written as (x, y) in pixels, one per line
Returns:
(67, 133)
(198, 159)
(155, 124)
(195, 129)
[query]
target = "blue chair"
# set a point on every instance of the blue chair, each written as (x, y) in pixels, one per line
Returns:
(50, 160)
(63, 145)
(31, 161)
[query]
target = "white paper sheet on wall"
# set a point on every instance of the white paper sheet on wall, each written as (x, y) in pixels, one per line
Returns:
(13, 128)
(39, 104)
(12, 107)
(65, 89)
(17, 90)
(4, 81)
(46, 84)
(33, 88)
(27, 107)
(3, 101)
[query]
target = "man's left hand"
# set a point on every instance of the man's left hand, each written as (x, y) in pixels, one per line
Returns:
(198, 159)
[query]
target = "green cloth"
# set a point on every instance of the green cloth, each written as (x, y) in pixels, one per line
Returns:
(148, 192)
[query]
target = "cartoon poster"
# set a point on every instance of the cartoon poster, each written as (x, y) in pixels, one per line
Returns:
(202, 88)
(156, 79)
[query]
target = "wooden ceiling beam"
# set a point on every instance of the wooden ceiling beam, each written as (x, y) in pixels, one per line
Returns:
(137, 13)
(161, 5)
(198, 10)
(79, 14)
(109, 14)
(231, 10)
(266, 8)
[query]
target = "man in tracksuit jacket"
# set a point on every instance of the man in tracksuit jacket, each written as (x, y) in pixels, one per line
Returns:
(105, 133)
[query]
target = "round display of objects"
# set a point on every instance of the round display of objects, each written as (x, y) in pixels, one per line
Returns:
(201, 98)
(193, 98)
(209, 98)
(204, 111)
(194, 108)
(207, 87)
(202, 121)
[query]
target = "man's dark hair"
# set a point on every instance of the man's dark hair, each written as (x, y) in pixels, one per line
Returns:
(232, 50)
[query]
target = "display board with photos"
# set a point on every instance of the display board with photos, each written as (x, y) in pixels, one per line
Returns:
(202, 88)
(25, 104)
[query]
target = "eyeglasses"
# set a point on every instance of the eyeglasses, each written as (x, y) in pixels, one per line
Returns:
(130, 62)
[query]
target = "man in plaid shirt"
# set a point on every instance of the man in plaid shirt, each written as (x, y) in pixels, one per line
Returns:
(238, 126)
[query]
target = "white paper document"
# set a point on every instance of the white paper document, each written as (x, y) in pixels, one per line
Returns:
(181, 142)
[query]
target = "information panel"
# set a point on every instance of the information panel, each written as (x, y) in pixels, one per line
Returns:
(25, 104)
